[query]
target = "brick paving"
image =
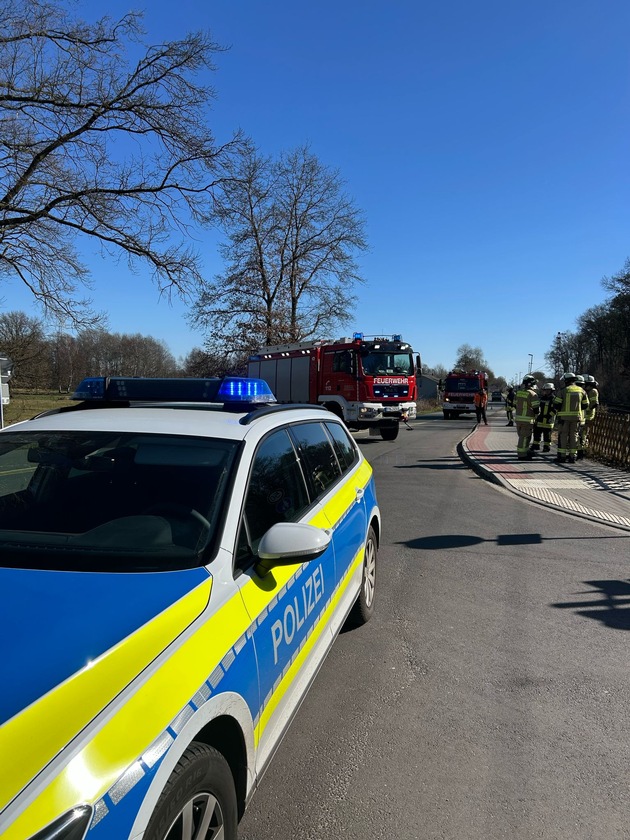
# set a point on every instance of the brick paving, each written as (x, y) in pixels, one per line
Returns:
(587, 489)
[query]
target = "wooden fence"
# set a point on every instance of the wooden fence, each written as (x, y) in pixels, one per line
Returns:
(609, 439)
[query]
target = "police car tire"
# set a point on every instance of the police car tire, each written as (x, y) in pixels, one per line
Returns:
(200, 773)
(363, 607)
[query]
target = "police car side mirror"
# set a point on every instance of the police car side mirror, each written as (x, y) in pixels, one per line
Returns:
(290, 542)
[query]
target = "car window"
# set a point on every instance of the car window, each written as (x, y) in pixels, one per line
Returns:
(109, 500)
(276, 491)
(344, 445)
(320, 463)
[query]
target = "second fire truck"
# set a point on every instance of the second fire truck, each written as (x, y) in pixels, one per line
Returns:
(459, 389)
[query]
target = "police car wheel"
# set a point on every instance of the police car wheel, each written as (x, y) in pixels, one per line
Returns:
(199, 800)
(364, 605)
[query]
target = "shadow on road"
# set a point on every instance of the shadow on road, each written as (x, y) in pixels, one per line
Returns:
(612, 608)
(442, 464)
(445, 541)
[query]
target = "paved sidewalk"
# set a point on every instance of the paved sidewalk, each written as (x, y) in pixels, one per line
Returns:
(587, 489)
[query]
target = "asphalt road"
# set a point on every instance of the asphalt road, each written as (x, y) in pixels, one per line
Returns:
(488, 697)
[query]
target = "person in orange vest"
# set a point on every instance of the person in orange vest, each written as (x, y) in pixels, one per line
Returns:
(525, 411)
(570, 404)
(481, 401)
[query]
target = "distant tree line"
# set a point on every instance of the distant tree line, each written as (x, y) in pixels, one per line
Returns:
(59, 360)
(601, 344)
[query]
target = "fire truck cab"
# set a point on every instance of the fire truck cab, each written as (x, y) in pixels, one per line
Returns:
(367, 381)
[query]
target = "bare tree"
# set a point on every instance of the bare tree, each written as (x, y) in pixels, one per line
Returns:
(93, 145)
(292, 236)
(619, 283)
(22, 339)
(470, 358)
(203, 364)
(123, 354)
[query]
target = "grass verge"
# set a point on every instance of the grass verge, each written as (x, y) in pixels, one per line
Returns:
(26, 404)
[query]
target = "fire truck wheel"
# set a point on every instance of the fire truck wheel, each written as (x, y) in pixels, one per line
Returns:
(363, 607)
(389, 432)
(334, 409)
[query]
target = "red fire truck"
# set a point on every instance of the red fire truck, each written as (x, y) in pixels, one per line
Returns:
(459, 389)
(368, 381)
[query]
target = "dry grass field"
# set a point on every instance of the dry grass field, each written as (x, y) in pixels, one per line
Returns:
(26, 404)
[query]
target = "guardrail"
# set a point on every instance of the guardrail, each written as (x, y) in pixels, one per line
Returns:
(609, 439)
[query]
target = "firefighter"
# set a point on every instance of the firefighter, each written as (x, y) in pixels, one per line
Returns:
(509, 405)
(570, 404)
(590, 386)
(543, 424)
(525, 411)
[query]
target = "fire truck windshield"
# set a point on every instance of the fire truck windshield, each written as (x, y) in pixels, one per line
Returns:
(462, 383)
(376, 363)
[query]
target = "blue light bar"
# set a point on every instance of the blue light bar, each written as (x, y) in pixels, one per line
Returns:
(231, 390)
(235, 389)
(397, 337)
(357, 336)
(92, 388)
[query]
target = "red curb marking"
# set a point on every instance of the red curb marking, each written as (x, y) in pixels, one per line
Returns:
(477, 442)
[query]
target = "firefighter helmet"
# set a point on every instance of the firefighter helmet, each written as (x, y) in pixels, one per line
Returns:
(569, 377)
(579, 379)
(549, 386)
(529, 380)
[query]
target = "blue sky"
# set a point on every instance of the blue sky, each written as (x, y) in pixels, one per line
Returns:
(485, 142)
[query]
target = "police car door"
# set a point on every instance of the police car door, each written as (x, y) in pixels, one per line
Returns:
(289, 606)
(337, 477)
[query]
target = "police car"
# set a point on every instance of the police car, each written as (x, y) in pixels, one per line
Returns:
(177, 557)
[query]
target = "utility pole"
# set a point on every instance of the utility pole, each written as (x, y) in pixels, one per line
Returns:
(531, 362)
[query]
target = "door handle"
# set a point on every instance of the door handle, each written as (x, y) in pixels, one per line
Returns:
(359, 493)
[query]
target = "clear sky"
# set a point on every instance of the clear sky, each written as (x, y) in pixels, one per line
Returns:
(485, 142)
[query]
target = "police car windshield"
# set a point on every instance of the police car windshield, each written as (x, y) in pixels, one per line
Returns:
(110, 501)
(377, 363)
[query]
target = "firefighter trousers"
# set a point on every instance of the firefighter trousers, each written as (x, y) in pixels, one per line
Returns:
(583, 434)
(542, 433)
(568, 436)
(524, 432)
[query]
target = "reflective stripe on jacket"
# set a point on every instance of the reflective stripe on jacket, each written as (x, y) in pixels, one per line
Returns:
(526, 405)
(571, 402)
(546, 413)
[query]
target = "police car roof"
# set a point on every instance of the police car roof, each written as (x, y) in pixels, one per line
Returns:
(171, 420)
(209, 407)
